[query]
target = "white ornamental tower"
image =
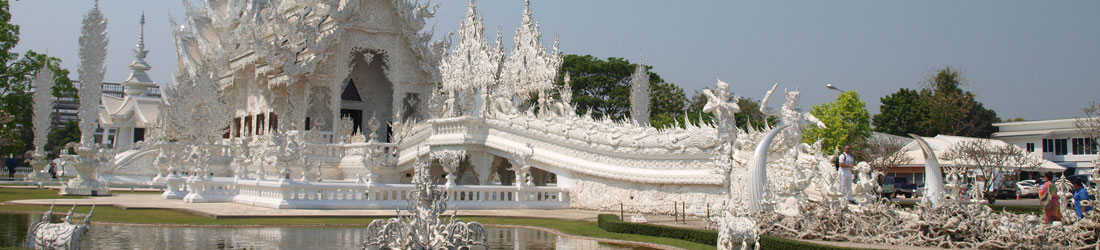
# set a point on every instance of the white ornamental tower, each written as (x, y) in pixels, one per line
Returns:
(139, 83)
(639, 95)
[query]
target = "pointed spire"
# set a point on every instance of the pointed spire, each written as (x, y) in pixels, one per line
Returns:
(138, 83)
(141, 36)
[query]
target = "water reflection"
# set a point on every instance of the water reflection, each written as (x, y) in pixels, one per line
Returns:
(13, 230)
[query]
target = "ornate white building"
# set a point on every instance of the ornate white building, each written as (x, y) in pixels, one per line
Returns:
(135, 113)
(332, 104)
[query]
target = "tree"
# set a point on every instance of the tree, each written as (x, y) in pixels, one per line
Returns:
(847, 122)
(667, 104)
(5, 136)
(953, 111)
(990, 159)
(15, 75)
(59, 137)
(903, 112)
(884, 152)
(603, 86)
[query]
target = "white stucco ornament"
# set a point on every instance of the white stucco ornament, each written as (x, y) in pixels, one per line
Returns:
(426, 226)
(43, 109)
(67, 234)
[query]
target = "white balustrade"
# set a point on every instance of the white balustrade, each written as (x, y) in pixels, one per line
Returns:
(350, 195)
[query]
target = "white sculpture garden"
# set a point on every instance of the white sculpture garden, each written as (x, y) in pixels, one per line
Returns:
(318, 105)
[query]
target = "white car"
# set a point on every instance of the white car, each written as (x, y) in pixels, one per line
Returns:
(1027, 188)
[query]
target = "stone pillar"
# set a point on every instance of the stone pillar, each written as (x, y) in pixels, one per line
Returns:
(482, 163)
(522, 170)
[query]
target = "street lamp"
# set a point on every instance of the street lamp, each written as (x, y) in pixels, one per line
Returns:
(833, 87)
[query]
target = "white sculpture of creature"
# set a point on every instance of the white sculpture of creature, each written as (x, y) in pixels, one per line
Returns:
(719, 103)
(63, 235)
(735, 232)
(503, 107)
(867, 190)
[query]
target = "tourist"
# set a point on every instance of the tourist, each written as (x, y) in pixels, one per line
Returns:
(845, 171)
(53, 170)
(1081, 194)
(12, 164)
(1048, 197)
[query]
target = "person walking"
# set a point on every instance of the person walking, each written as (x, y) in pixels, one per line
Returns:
(1048, 198)
(53, 170)
(845, 172)
(12, 163)
(1081, 194)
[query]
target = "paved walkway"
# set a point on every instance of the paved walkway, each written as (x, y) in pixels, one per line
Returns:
(233, 210)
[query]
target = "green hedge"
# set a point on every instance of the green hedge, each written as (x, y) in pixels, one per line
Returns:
(776, 242)
(1017, 209)
(613, 224)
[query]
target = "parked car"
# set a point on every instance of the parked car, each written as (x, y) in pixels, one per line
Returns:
(1027, 188)
(892, 187)
(1006, 190)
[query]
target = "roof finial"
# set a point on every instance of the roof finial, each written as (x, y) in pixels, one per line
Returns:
(97, 4)
(141, 36)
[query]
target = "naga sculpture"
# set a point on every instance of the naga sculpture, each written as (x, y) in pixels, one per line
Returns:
(45, 234)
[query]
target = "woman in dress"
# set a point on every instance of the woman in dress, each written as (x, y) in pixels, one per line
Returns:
(1048, 197)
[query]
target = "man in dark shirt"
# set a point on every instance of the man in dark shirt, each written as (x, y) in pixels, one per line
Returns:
(11, 163)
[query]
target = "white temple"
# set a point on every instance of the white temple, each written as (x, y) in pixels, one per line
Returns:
(325, 104)
(136, 113)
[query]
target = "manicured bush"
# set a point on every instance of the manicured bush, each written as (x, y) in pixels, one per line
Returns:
(612, 223)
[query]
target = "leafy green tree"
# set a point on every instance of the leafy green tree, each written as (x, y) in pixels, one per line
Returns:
(59, 137)
(15, 75)
(847, 122)
(903, 112)
(603, 86)
(667, 103)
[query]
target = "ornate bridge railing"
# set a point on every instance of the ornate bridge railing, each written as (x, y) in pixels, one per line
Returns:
(350, 195)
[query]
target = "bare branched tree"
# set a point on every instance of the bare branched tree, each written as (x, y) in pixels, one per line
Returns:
(884, 152)
(1090, 125)
(992, 159)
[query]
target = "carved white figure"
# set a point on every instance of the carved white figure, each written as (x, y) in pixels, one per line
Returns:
(63, 235)
(867, 190)
(737, 233)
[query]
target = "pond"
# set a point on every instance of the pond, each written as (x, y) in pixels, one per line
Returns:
(13, 231)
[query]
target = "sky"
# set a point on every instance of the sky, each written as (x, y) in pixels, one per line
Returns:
(1029, 59)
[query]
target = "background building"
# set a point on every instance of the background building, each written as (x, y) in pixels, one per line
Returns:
(1058, 141)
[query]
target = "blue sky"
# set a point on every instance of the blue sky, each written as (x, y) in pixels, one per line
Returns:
(1029, 59)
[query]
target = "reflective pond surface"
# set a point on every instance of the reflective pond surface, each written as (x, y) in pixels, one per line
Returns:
(13, 231)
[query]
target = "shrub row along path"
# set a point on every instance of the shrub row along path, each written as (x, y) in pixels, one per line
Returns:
(150, 200)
